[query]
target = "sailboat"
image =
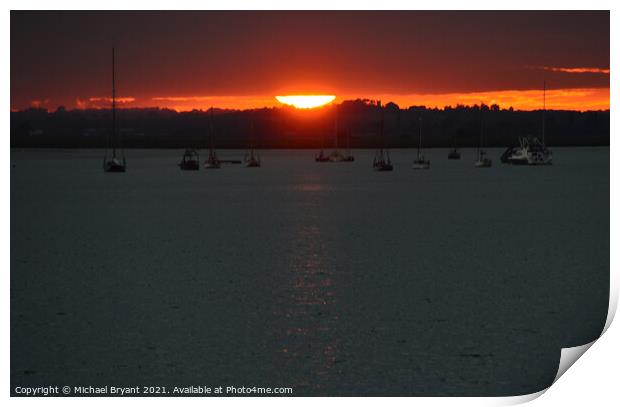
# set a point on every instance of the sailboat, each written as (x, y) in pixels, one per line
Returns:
(382, 160)
(531, 150)
(212, 162)
(251, 160)
(190, 160)
(321, 157)
(349, 156)
(114, 163)
(336, 156)
(483, 161)
(420, 163)
(454, 154)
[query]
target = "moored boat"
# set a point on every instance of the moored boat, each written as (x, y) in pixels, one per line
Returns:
(531, 150)
(212, 162)
(114, 163)
(251, 160)
(483, 161)
(382, 161)
(190, 160)
(454, 154)
(321, 157)
(421, 163)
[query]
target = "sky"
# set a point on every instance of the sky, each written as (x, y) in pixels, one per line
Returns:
(198, 59)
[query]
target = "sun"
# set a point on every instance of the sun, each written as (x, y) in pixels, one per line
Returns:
(306, 101)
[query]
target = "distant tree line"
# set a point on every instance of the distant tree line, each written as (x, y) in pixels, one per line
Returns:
(356, 124)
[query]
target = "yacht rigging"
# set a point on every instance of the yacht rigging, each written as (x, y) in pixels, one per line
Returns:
(421, 163)
(116, 163)
(382, 160)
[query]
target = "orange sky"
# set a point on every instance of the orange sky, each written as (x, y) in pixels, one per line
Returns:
(558, 99)
(198, 59)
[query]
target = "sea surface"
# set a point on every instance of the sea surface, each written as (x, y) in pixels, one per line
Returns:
(329, 278)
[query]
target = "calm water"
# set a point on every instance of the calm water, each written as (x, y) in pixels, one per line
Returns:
(328, 278)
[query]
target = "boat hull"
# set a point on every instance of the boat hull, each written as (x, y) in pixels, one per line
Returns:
(421, 165)
(114, 166)
(189, 166)
(336, 159)
(212, 165)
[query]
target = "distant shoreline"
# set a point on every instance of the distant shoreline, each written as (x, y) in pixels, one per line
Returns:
(354, 124)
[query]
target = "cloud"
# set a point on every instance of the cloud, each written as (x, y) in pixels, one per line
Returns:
(101, 102)
(109, 100)
(184, 98)
(575, 70)
(186, 103)
(38, 103)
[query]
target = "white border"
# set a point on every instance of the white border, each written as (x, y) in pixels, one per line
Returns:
(592, 381)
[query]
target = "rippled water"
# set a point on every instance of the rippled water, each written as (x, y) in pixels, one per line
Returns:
(328, 278)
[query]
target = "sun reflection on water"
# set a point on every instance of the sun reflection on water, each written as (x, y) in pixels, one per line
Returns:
(310, 342)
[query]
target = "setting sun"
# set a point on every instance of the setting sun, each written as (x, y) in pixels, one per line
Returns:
(306, 101)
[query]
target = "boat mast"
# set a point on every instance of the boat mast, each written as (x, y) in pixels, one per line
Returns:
(348, 133)
(420, 134)
(481, 130)
(544, 110)
(113, 137)
(381, 131)
(211, 129)
(252, 137)
(336, 126)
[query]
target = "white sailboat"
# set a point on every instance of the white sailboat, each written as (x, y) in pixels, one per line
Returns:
(421, 163)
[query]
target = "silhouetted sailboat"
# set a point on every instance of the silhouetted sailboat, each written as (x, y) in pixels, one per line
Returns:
(114, 163)
(336, 156)
(454, 154)
(321, 157)
(251, 160)
(420, 163)
(349, 156)
(382, 160)
(483, 161)
(212, 162)
(190, 160)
